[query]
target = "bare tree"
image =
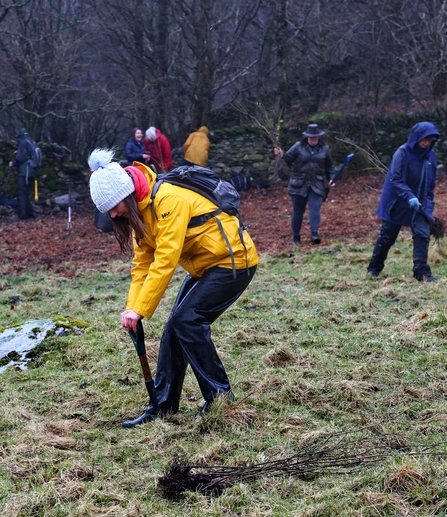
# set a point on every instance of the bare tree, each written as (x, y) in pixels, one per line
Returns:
(421, 34)
(40, 60)
(85, 72)
(214, 36)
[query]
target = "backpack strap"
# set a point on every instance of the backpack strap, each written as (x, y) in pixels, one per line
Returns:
(30, 148)
(241, 229)
(153, 194)
(198, 220)
(202, 219)
(230, 249)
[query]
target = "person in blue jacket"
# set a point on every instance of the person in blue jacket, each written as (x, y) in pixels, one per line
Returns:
(407, 199)
(135, 150)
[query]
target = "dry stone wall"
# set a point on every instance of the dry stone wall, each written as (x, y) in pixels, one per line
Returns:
(249, 150)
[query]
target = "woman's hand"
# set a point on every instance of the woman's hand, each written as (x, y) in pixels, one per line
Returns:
(278, 152)
(129, 319)
(331, 183)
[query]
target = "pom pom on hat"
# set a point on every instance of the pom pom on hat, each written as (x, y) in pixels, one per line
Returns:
(151, 134)
(100, 158)
(109, 183)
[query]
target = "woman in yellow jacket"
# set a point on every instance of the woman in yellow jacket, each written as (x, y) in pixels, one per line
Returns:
(196, 148)
(161, 242)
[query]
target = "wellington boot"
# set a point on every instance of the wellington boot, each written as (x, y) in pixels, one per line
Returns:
(427, 278)
(147, 416)
(315, 238)
(379, 255)
(421, 270)
(229, 395)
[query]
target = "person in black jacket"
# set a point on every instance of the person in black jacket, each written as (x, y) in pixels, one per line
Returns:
(311, 175)
(135, 149)
(27, 174)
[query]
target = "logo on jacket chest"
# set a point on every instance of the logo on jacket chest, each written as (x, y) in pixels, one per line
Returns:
(163, 216)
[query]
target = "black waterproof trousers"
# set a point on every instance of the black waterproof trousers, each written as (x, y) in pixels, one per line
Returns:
(187, 336)
(25, 186)
(387, 237)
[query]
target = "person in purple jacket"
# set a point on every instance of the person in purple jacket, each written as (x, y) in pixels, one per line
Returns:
(407, 199)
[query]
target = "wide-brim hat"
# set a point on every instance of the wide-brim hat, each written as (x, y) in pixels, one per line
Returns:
(313, 130)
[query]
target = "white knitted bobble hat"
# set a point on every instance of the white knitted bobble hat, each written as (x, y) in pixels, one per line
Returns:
(109, 183)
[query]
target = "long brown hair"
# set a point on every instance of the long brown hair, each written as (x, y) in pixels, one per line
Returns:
(123, 226)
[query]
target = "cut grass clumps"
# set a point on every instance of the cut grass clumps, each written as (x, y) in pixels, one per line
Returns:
(314, 348)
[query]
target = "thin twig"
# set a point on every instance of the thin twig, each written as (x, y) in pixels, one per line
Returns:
(367, 152)
(269, 125)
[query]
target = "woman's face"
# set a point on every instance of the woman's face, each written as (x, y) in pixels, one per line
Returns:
(138, 135)
(120, 210)
(425, 143)
(313, 140)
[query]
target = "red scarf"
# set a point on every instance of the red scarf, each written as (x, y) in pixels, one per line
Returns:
(140, 182)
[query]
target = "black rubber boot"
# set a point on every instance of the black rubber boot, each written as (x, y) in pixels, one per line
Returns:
(421, 270)
(315, 238)
(149, 415)
(206, 408)
(379, 255)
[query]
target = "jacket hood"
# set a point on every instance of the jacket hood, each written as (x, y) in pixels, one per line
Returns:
(151, 178)
(203, 129)
(421, 130)
(22, 134)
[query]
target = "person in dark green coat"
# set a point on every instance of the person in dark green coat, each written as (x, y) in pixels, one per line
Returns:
(27, 174)
(311, 176)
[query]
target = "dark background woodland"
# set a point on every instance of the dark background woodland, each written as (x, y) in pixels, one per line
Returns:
(84, 73)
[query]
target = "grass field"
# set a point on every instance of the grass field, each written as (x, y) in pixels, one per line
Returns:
(312, 348)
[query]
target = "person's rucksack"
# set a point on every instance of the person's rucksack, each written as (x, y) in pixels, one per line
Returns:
(36, 156)
(208, 184)
(239, 181)
(256, 181)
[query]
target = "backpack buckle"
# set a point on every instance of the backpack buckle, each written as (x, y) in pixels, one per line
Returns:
(184, 173)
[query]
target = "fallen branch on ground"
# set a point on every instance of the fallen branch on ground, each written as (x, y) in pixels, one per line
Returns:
(335, 454)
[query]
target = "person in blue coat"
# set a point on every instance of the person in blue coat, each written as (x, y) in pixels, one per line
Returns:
(135, 149)
(407, 199)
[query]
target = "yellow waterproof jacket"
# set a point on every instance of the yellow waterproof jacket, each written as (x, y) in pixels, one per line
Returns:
(197, 146)
(170, 242)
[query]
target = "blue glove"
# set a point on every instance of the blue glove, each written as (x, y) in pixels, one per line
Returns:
(414, 202)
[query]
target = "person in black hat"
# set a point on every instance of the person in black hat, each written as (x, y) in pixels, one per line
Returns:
(311, 175)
